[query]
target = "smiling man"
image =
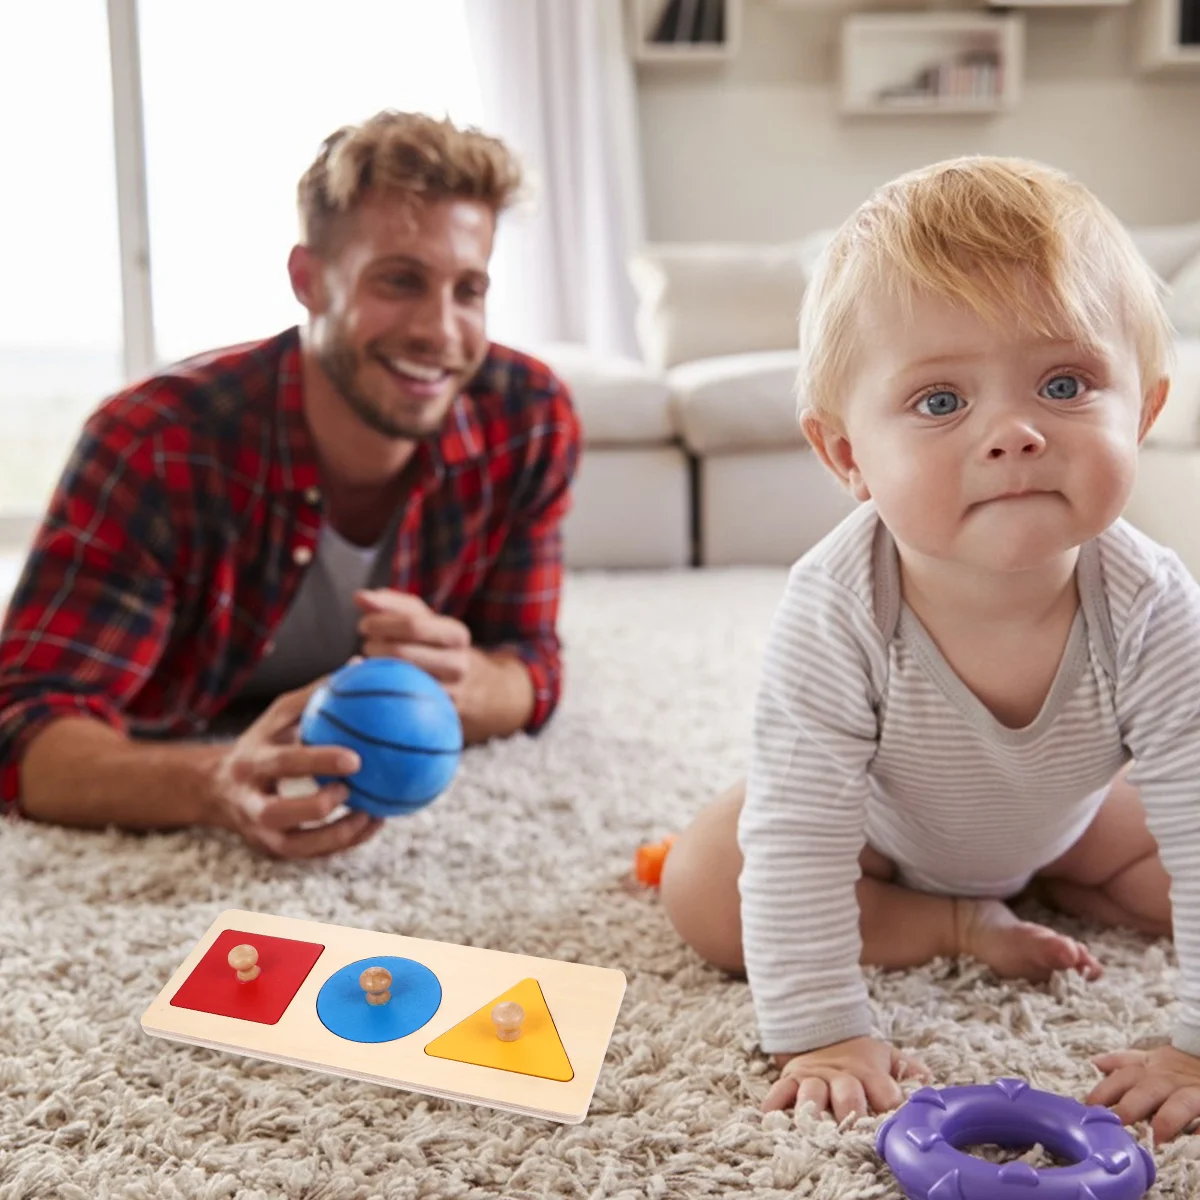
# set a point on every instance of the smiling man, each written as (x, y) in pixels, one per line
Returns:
(380, 481)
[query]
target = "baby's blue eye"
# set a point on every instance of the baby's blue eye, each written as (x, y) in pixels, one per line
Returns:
(940, 404)
(1064, 387)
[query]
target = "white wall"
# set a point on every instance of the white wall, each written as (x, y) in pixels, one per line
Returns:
(755, 150)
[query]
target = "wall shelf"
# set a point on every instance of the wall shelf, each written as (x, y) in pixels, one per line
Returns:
(1060, 3)
(925, 63)
(1160, 43)
(644, 17)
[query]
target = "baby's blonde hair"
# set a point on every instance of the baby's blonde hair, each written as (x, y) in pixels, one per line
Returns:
(408, 153)
(1008, 238)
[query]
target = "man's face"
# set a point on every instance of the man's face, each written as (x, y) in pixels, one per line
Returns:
(397, 308)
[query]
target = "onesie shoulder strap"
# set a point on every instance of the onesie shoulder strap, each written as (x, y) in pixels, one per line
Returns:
(1093, 598)
(886, 577)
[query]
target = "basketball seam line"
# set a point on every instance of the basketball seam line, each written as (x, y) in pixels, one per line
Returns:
(388, 801)
(345, 727)
(383, 692)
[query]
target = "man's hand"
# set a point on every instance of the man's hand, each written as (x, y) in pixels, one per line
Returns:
(855, 1076)
(491, 690)
(1164, 1082)
(398, 625)
(245, 782)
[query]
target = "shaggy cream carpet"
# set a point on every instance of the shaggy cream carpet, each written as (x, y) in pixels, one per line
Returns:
(528, 852)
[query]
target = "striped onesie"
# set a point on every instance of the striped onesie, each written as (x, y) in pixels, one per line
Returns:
(863, 734)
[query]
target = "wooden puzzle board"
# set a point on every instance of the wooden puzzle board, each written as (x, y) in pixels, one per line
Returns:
(583, 1002)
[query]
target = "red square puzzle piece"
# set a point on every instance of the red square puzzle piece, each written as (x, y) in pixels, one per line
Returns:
(213, 987)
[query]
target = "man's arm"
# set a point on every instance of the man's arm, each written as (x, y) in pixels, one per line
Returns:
(492, 690)
(87, 627)
(514, 615)
(501, 663)
(497, 698)
(93, 609)
(78, 771)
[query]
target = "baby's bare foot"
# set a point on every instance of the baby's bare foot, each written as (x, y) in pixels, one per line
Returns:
(991, 932)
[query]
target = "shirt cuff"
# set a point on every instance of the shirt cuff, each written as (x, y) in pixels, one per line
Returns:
(20, 723)
(1186, 1037)
(800, 1038)
(545, 670)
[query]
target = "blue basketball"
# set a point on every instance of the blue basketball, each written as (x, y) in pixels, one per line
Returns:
(402, 724)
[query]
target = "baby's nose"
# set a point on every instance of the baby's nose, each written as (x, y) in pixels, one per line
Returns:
(1016, 439)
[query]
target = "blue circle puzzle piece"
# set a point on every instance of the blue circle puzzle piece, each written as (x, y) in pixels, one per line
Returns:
(921, 1145)
(343, 1009)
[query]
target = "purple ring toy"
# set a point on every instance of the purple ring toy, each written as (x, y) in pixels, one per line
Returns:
(920, 1143)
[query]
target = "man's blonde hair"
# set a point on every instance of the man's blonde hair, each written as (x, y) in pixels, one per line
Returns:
(405, 153)
(1008, 238)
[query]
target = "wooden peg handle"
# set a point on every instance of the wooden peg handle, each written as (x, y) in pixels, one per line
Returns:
(376, 981)
(507, 1018)
(244, 960)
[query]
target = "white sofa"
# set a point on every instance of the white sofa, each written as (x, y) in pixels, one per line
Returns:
(632, 499)
(709, 465)
(763, 497)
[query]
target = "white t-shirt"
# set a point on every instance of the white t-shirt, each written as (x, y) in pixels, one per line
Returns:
(864, 733)
(320, 630)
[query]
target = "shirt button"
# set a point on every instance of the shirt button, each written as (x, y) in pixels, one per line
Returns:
(312, 495)
(302, 556)
(268, 648)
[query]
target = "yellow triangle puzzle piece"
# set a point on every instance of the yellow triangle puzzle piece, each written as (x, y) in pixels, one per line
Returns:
(538, 1051)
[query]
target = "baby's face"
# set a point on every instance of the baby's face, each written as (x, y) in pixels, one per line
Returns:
(989, 445)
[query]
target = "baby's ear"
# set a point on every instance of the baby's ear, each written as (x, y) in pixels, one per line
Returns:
(1152, 404)
(829, 440)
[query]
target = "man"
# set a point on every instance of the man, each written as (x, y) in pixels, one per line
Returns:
(382, 481)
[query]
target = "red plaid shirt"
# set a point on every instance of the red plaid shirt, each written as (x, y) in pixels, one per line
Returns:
(178, 536)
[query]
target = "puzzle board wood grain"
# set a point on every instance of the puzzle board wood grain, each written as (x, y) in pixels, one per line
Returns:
(582, 1001)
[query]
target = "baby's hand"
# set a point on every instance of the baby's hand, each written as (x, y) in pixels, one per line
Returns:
(844, 1078)
(1163, 1081)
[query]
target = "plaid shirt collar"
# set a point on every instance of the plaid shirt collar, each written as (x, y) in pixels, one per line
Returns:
(297, 467)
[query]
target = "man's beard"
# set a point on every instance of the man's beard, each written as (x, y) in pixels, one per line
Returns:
(341, 363)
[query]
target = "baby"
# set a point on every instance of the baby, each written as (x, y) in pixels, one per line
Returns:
(983, 679)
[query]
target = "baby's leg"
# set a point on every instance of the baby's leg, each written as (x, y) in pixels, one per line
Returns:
(699, 885)
(1113, 874)
(900, 927)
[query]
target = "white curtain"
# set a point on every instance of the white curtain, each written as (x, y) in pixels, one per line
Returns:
(557, 85)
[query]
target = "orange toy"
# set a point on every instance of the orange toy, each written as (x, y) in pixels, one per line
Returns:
(649, 859)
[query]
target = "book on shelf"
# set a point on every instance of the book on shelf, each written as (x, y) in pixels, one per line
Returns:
(711, 28)
(1189, 22)
(975, 75)
(690, 22)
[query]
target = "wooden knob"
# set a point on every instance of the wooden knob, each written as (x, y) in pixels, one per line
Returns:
(375, 981)
(244, 960)
(507, 1018)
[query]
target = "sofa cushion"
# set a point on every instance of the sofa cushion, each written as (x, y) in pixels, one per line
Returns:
(699, 300)
(737, 402)
(619, 400)
(1167, 248)
(1179, 422)
(743, 402)
(707, 299)
(1183, 302)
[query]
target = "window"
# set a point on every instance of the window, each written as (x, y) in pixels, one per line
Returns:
(60, 306)
(238, 98)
